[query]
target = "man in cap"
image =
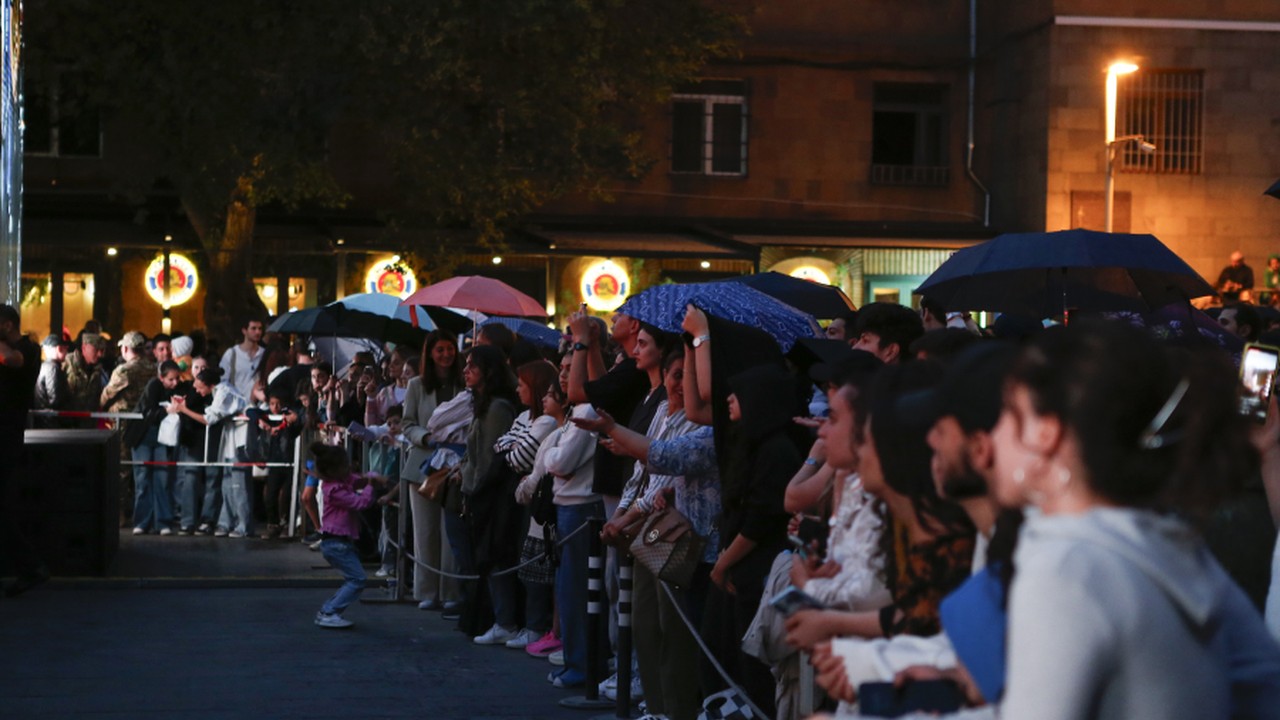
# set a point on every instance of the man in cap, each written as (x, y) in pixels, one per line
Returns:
(121, 395)
(85, 376)
(52, 392)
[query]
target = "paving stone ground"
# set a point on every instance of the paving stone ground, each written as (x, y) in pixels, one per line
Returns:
(151, 648)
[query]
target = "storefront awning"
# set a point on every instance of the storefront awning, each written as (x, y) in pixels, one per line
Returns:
(658, 245)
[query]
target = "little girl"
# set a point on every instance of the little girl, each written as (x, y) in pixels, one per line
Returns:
(340, 527)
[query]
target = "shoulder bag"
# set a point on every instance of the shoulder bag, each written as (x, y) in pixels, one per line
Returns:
(668, 546)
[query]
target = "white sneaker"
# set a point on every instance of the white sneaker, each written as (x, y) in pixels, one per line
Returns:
(383, 571)
(166, 531)
(332, 620)
(609, 688)
(496, 635)
(522, 639)
(139, 531)
(220, 532)
(556, 658)
(235, 534)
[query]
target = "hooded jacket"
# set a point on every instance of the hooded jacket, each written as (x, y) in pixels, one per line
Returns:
(1123, 614)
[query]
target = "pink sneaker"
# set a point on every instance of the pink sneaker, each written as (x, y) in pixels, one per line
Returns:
(543, 646)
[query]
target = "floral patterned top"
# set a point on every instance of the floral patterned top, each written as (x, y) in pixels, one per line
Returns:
(919, 577)
(689, 463)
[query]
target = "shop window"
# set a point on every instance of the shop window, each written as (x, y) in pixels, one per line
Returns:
(301, 293)
(60, 118)
(909, 134)
(77, 292)
(1165, 108)
(709, 128)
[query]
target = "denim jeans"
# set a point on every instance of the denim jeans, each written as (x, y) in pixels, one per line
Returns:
(571, 583)
(539, 604)
(190, 491)
(237, 513)
(464, 560)
(342, 555)
(151, 508)
(211, 507)
(505, 592)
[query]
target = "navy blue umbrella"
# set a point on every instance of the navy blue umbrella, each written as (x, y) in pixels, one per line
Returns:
(534, 332)
(1044, 274)
(821, 301)
(663, 306)
(1274, 190)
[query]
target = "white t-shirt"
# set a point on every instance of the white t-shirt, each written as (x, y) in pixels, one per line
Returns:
(241, 370)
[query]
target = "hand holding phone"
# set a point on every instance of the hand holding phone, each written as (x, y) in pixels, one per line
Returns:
(793, 599)
(1258, 365)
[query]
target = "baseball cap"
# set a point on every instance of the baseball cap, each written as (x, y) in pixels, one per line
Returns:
(971, 390)
(92, 339)
(133, 339)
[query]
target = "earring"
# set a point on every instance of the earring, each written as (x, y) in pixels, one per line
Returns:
(1020, 476)
(1064, 478)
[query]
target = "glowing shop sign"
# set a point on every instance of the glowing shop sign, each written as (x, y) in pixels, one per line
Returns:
(182, 279)
(605, 286)
(391, 277)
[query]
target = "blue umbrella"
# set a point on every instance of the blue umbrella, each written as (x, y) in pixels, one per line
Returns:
(1044, 274)
(387, 306)
(534, 332)
(663, 306)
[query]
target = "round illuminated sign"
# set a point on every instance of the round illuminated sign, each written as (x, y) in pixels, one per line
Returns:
(183, 279)
(809, 272)
(605, 286)
(390, 277)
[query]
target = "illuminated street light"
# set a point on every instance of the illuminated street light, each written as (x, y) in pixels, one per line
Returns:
(497, 260)
(112, 252)
(1113, 72)
(705, 264)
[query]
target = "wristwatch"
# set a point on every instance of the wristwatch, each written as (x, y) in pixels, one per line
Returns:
(697, 342)
(579, 346)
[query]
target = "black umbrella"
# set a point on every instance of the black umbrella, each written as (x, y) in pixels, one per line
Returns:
(821, 301)
(336, 320)
(1043, 274)
(1274, 190)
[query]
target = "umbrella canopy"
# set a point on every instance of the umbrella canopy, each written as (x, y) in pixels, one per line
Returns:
(387, 306)
(336, 320)
(473, 292)
(1044, 274)
(1274, 190)
(821, 301)
(534, 332)
(663, 306)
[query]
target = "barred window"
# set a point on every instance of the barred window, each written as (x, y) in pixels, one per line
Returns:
(1164, 107)
(909, 134)
(709, 128)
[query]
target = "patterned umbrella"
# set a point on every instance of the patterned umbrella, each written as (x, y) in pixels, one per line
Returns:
(663, 306)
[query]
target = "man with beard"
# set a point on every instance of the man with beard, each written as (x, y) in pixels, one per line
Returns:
(85, 376)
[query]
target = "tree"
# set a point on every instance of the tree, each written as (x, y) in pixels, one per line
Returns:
(486, 109)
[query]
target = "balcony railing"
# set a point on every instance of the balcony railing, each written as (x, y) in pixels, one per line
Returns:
(916, 175)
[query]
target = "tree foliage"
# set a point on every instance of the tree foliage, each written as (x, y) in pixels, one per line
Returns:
(485, 108)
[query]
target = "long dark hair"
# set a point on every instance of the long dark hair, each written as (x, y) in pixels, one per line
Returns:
(538, 375)
(1110, 383)
(899, 439)
(496, 379)
(431, 382)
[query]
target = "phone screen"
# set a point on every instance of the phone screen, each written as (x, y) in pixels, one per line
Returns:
(1257, 379)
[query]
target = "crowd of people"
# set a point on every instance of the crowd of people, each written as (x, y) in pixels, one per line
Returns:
(1063, 522)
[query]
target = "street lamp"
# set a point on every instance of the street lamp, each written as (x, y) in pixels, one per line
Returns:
(1113, 72)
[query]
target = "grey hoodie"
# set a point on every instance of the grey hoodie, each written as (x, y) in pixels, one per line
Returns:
(1122, 614)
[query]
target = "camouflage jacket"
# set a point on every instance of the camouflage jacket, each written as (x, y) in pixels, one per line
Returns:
(126, 384)
(85, 382)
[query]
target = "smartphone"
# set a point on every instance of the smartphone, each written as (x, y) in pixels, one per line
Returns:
(882, 699)
(798, 547)
(793, 599)
(1258, 367)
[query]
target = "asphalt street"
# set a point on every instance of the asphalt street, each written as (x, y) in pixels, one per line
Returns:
(191, 646)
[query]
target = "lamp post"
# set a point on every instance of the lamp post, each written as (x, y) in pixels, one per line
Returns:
(1113, 72)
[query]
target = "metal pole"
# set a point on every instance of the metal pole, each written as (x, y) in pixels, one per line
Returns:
(596, 619)
(1111, 184)
(625, 563)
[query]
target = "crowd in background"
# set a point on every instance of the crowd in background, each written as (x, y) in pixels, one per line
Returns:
(1060, 522)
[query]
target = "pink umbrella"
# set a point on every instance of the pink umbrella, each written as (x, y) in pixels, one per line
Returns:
(473, 292)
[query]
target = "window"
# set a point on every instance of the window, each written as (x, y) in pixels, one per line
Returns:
(1164, 107)
(709, 128)
(909, 134)
(60, 119)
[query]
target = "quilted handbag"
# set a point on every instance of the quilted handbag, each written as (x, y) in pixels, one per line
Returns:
(669, 547)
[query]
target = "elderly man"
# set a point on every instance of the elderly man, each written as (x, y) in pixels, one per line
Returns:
(1235, 282)
(121, 395)
(85, 376)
